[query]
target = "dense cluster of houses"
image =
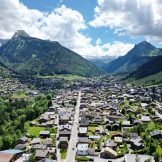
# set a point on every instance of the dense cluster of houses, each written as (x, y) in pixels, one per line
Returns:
(107, 110)
(103, 123)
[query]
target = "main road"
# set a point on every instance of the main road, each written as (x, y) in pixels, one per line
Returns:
(74, 133)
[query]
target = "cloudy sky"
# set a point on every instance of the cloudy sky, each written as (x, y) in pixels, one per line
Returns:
(88, 27)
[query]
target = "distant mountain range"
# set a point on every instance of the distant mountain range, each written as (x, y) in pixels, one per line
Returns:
(140, 54)
(32, 56)
(101, 61)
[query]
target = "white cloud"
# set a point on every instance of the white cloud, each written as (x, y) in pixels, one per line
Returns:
(62, 24)
(133, 17)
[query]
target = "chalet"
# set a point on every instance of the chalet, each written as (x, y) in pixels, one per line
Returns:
(48, 142)
(82, 149)
(110, 143)
(107, 152)
(116, 135)
(63, 142)
(10, 155)
(23, 140)
(65, 132)
(145, 119)
(43, 119)
(137, 145)
(84, 140)
(94, 137)
(126, 123)
(6, 157)
(84, 122)
(41, 154)
(97, 120)
(82, 131)
(20, 147)
(140, 158)
(156, 134)
(64, 119)
(44, 134)
(35, 141)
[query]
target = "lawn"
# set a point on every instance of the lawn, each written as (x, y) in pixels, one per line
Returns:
(82, 158)
(63, 153)
(34, 131)
(63, 76)
(19, 95)
(91, 130)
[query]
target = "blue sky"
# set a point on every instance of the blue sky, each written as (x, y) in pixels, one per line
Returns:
(88, 27)
(86, 8)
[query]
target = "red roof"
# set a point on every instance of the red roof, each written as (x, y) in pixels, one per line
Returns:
(5, 157)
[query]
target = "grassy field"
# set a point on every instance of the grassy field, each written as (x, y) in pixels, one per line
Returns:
(19, 95)
(63, 153)
(34, 131)
(63, 76)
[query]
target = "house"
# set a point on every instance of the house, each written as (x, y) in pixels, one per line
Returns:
(116, 135)
(10, 155)
(145, 118)
(97, 120)
(110, 143)
(64, 119)
(82, 131)
(144, 105)
(44, 134)
(156, 134)
(139, 158)
(35, 141)
(84, 140)
(126, 123)
(6, 157)
(107, 152)
(43, 119)
(65, 131)
(82, 149)
(94, 137)
(118, 139)
(41, 154)
(20, 147)
(63, 142)
(39, 147)
(137, 145)
(48, 142)
(23, 140)
(84, 122)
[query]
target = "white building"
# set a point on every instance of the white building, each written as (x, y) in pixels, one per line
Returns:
(82, 149)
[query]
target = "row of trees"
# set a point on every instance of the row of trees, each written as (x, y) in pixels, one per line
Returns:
(14, 116)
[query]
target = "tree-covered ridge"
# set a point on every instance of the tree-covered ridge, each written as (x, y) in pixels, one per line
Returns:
(32, 56)
(154, 66)
(16, 114)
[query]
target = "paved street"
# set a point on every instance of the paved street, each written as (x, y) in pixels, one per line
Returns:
(74, 134)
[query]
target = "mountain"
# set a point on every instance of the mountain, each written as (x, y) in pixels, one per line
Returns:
(31, 56)
(101, 62)
(140, 54)
(154, 66)
(2, 41)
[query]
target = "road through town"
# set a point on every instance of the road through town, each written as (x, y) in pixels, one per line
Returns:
(74, 134)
